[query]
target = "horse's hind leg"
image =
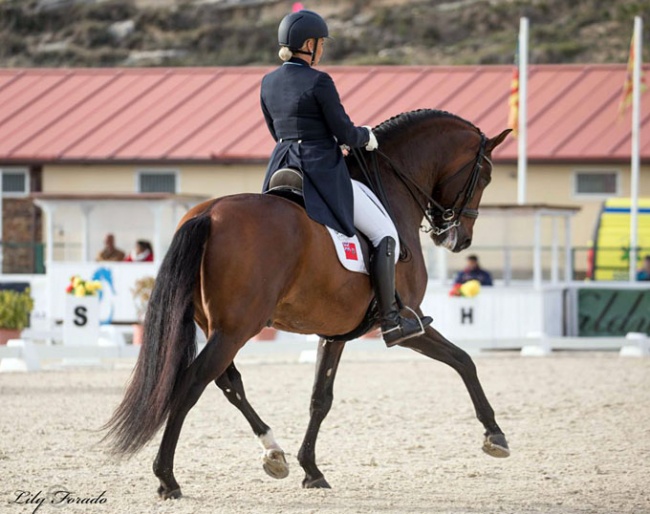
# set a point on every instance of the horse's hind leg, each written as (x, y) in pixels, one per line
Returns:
(329, 355)
(208, 365)
(273, 459)
(434, 345)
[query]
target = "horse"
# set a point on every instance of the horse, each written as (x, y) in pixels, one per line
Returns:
(242, 262)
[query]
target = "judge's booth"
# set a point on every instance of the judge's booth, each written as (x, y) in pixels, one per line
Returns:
(75, 226)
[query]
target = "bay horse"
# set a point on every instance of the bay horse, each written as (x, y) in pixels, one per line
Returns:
(240, 263)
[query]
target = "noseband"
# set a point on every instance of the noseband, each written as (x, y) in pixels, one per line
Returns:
(451, 216)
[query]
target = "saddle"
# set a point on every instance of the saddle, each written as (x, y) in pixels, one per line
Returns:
(287, 183)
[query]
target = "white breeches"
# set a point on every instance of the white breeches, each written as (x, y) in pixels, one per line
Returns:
(371, 218)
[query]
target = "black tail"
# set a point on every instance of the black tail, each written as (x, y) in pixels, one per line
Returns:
(169, 345)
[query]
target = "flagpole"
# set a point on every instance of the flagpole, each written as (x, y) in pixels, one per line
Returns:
(522, 159)
(634, 164)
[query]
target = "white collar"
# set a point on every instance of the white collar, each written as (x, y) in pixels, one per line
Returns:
(135, 256)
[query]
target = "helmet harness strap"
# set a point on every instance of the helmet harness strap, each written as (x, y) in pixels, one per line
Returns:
(312, 53)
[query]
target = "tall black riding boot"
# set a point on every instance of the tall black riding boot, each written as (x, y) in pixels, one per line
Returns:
(394, 327)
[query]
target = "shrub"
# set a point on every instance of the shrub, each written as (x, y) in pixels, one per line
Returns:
(15, 308)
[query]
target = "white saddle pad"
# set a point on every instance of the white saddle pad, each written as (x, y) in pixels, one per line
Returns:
(348, 250)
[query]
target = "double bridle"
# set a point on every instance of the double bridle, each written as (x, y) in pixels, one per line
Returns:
(450, 216)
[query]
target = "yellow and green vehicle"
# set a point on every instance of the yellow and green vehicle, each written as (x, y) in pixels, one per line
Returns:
(609, 256)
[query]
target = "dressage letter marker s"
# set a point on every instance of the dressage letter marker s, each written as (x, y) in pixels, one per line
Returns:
(80, 316)
(81, 321)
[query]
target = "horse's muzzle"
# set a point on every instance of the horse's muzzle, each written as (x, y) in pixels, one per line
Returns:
(463, 245)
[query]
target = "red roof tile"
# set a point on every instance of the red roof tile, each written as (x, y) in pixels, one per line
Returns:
(213, 114)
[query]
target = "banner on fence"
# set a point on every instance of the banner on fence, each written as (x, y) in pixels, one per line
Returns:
(613, 312)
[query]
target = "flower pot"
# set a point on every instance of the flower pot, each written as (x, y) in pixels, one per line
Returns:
(266, 334)
(138, 333)
(373, 334)
(9, 333)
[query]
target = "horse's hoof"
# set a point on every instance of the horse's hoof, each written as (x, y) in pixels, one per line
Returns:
(316, 483)
(174, 494)
(275, 464)
(496, 445)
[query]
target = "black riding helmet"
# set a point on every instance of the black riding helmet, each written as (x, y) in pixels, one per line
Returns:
(298, 27)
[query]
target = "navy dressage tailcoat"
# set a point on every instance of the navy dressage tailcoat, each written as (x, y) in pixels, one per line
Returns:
(303, 111)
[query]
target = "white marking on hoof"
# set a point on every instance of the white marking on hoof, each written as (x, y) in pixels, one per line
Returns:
(268, 442)
(273, 459)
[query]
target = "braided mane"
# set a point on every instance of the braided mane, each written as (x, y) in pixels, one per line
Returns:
(406, 119)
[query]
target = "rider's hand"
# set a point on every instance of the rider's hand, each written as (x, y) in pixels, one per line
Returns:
(373, 144)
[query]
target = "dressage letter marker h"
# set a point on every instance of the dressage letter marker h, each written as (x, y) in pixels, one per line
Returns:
(467, 314)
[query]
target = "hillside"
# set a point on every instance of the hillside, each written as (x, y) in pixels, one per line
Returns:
(243, 32)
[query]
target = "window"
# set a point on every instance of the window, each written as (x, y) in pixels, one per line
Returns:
(157, 181)
(596, 183)
(15, 182)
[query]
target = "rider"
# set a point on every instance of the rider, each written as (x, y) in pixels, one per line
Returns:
(304, 114)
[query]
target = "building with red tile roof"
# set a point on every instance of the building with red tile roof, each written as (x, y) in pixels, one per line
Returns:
(212, 115)
(192, 130)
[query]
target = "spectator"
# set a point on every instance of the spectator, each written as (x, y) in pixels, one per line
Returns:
(110, 252)
(473, 271)
(141, 253)
(644, 272)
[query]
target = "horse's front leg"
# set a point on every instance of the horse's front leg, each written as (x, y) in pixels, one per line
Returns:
(434, 345)
(273, 459)
(329, 355)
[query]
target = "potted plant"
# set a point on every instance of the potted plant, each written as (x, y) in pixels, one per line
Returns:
(15, 308)
(79, 287)
(141, 292)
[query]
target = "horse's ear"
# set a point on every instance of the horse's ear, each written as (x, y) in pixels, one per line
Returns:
(496, 141)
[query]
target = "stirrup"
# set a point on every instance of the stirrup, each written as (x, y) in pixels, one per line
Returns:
(422, 322)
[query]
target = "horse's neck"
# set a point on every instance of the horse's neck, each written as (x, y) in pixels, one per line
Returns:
(408, 161)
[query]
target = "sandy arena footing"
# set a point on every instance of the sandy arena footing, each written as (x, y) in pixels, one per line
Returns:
(401, 437)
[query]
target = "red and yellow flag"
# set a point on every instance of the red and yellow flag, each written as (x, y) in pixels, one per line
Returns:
(628, 86)
(513, 102)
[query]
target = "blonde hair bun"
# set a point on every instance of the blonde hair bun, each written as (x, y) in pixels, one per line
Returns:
(285, 54)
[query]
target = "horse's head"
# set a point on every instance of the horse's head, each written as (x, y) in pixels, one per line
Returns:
(453, 206)
(442, 165)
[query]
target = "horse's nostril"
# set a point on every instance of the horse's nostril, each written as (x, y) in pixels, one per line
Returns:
(466, 244)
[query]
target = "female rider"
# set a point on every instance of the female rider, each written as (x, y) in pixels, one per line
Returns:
(303, 111)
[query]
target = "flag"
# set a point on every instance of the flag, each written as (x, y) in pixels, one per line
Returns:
(513, 101)
(628, 86)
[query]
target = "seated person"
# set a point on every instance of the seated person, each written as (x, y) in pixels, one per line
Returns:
(110, 252)
(473, 271)
(644, 272)
(141, 253)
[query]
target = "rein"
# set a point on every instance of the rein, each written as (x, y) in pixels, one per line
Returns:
(449, 215)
